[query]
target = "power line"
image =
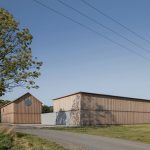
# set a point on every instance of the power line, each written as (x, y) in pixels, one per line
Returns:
(90, 29)
(102, 25)
(116, 21)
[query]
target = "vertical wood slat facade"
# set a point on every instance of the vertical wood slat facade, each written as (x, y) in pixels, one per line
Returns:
(113, 110)
(17, 112)
(68, 105)
(97, 109)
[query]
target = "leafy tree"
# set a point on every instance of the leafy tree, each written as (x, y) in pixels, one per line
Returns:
(51, 108)
(3, 102)
(17, 65)
(47, 109)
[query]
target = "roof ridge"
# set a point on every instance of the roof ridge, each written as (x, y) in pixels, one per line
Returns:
(19, 98)
(81, 92)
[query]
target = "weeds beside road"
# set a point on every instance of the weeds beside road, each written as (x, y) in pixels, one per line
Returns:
(10, 140)
(79, 141)
(41, 139)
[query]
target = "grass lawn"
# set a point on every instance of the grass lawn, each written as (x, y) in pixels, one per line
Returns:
(30, 142)
(9, 140)
(130, 132)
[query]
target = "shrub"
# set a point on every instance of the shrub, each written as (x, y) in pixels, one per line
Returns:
(5, 142)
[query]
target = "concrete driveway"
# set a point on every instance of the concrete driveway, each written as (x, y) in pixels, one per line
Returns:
(76, 141)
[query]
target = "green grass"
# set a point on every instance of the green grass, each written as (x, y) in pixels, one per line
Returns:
(130, 132)
(5, 142)
(9, 140)
(30, 142)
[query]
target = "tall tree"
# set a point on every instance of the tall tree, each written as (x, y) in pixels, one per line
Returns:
(47, 109)
(3, 102)
(17, 65)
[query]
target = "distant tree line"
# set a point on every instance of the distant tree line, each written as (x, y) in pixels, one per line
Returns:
(47, 109)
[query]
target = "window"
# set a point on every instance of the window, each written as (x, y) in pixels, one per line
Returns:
(28, 102)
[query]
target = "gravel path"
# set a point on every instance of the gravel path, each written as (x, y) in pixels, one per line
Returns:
(76, 141)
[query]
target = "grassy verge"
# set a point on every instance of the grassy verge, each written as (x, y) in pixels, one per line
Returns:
(9, 140)
(30, 142)
(130, 132)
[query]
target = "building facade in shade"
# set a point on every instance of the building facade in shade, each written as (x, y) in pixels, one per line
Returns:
(24, 110)
(96, 109)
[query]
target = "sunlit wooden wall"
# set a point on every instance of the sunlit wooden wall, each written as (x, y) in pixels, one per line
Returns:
(19, 113)
(98, 109)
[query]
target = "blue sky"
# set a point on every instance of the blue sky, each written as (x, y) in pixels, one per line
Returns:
(76, 59)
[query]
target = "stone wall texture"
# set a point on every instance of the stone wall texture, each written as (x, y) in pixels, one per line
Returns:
(67, 110)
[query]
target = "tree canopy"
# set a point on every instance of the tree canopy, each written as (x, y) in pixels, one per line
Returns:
(47, 109)
(3, 102)
(17, 65)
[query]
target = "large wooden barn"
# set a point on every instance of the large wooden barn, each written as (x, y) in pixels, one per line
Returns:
(24, 110)
(95, 109)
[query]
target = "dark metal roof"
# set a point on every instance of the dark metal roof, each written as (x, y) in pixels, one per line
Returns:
(27, 94)
(105, 95)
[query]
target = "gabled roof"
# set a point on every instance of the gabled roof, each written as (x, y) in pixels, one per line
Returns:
(104, 95)
(25, 95)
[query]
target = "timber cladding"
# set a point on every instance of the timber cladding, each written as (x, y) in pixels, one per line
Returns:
(68, 110)
(24, 110)
(97, 109)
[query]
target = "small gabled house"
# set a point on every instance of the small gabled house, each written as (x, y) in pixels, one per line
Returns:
(24, 110)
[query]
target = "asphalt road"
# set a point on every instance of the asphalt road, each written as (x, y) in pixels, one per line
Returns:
(76, 141)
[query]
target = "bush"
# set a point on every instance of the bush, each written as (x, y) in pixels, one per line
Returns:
(10, 140)
(5, 142)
